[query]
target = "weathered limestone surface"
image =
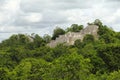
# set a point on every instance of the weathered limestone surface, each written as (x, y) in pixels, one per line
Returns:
(71, 37)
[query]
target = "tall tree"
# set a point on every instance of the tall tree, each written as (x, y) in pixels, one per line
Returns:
(58, 31)
(75, 28)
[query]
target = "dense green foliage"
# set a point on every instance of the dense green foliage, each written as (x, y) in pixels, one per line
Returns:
(24, 58)
(58, 31)
(74, 28)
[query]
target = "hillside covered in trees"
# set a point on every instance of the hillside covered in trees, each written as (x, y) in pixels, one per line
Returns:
(25, 57)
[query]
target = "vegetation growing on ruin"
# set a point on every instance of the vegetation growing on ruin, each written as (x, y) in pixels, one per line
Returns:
(29, 58)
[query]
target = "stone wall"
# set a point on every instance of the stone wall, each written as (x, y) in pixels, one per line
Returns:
(70, 37)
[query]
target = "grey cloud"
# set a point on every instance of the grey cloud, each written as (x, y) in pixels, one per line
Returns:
(2, 2)
(49, 17)
(114, 0)
(112, 5)
(39, 6)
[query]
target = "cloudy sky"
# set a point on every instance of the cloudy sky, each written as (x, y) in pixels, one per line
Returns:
(42, 16)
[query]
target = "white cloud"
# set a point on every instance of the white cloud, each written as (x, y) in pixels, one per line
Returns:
(11, 5)
(73, 15)
(9, 10)
(33, 17)
(10, 29)
(118, 13)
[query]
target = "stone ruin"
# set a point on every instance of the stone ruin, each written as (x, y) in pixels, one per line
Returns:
(70, 37)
